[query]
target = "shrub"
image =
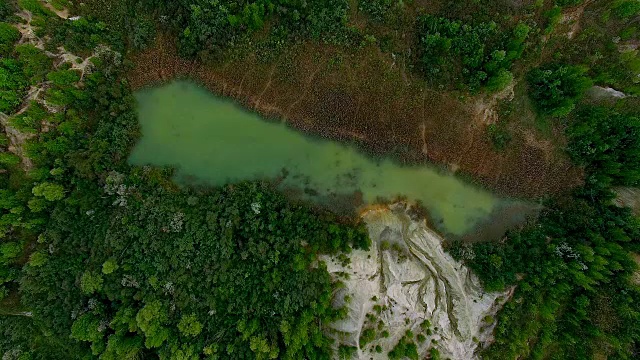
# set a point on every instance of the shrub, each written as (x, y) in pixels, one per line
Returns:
(347, 352)
(568, 2)
(378, 10)
(499, 136)
(367, 336)
(35, 7)
(8, 36)
(499, 81)
(35, 62)
(7, 158)
(12, 85)
(6, 10)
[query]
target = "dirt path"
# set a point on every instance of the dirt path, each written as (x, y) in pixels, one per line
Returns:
(63, 14)
(27, 31)
(77, 63)
(572, 17)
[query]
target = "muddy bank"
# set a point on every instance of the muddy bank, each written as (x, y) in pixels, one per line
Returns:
(365, 99)
(407, 282)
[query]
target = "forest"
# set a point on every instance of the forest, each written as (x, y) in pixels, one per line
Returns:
(102, 259)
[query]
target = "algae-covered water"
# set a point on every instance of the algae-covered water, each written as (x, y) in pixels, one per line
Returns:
(215, 141)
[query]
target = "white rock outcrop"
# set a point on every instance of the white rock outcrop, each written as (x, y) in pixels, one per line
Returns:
(599, 92)
(405, 279)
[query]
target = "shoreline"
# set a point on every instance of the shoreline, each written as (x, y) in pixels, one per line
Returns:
(518, 173)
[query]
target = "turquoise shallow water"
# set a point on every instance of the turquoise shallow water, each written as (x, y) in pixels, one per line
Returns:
(216, 141)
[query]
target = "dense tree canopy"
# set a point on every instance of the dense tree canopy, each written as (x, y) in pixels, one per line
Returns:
(607, 142)
(100, 259)
(233, 272)
(575, 299)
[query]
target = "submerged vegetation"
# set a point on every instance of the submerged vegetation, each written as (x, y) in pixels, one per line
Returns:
(101, 259)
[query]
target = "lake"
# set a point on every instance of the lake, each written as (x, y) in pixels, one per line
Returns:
(214, 141)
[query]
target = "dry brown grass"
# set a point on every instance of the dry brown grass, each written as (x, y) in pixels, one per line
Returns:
(372, 100)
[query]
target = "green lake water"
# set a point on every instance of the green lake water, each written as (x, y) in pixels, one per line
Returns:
(215, 141)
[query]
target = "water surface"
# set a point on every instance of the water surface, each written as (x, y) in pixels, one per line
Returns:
(215, 141)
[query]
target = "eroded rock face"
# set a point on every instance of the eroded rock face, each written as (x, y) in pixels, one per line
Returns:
(407, 282)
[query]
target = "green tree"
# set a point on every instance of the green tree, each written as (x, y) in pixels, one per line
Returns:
(90, 283)
(556, 88)
(481, 54)
(109, 266)
(9, 251)
(189, 325)
(87, 328)
(434, 353)
(564, 265)
(63, 78)
(150, 320)
(48, 190)
(499, 81)
(125, 347)
(517, 43)
(37, 258)
(37, 204)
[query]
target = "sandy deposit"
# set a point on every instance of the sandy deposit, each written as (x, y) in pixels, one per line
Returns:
(409, 278)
